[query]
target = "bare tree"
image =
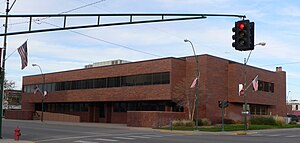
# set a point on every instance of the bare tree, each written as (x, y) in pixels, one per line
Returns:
(184, 96)
(9, 84)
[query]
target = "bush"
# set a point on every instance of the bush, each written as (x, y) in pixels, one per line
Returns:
(183, 123)
(262, 120)
(280, 121)
(204, 122)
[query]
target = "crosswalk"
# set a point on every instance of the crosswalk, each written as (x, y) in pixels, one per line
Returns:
(121, 138)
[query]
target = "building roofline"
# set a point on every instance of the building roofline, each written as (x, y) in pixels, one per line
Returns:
(165, 58)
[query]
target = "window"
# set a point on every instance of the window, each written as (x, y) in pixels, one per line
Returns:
(265, 86)
(258, 109)
(119, 81)
(101, 110)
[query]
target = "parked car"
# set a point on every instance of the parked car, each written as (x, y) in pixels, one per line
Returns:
(293, 118)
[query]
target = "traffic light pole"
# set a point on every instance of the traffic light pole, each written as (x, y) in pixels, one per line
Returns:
(3, 67)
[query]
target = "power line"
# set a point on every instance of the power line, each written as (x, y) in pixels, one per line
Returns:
(82, 6)
(112, 43)
(290, 63)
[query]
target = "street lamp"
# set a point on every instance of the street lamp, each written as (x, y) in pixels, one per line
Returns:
(197, 80)
(287, 102)
(43, 89)
(245, 84)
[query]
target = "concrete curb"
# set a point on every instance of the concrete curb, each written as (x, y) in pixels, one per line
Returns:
(243, 133)
(13, 141)
(177, 132)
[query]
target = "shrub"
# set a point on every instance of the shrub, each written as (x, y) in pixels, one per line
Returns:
(280, 121)
(204, 122)
(263, 120)
(183, 123)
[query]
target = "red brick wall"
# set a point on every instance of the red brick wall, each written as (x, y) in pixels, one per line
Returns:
(152, 119)
(59, 117)
(18, 114)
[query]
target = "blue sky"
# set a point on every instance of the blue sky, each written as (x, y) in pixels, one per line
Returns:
(277, 24)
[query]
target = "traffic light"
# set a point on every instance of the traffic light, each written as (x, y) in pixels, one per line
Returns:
(242, 35)
(251, 35)
(223, 104)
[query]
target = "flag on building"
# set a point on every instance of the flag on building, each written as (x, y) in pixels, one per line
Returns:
(255, 83)
(241, 90)
(194, 82)
(23, 54)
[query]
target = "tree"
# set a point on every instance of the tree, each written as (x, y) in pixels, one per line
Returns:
(184, 96)
(9, 84)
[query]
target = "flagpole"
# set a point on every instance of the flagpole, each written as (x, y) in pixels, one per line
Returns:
(3, 66)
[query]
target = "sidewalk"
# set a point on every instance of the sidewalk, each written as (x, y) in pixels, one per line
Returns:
(13, 141)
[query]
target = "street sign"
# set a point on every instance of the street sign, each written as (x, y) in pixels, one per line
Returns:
(245, 113)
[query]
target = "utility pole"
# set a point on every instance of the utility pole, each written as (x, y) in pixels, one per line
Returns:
(3, 66)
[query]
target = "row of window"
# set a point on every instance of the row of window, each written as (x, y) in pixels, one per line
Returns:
(64, 107)
(258, 110)
(265, 86)
(109, 82)
(138, 106)
(117, 107)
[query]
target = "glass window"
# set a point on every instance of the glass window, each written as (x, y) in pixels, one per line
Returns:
(157, 78)
(101, 110)
(148, 79)
(165, 78)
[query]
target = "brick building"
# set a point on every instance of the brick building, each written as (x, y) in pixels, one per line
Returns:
(127, 92)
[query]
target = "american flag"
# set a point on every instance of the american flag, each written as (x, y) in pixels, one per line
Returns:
(24, 55)
(255, 83)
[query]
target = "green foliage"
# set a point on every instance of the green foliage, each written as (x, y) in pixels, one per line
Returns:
(204, 122)
(183, 123)
(262, 120)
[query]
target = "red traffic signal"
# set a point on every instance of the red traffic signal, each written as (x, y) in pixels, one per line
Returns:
(243, 35)
(241, 26)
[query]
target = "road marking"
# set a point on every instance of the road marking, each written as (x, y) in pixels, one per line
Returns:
(125, 138)
(256, 135)
(292, 136)
(276, 135)
(109, 140)
(80, 137)
(142, 137)
(79, 141)
(155, 136)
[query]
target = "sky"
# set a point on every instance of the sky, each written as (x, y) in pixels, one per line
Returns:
(276, 23)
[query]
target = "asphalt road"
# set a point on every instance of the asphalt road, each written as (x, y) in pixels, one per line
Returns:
(58, 132)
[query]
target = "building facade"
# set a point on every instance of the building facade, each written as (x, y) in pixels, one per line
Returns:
(108, 93)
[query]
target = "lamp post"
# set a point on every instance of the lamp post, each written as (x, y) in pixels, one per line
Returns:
(245, 84)
(287, 102)
(43, 89)
(197, 81)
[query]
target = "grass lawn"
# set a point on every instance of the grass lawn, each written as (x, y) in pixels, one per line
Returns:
(236, 127)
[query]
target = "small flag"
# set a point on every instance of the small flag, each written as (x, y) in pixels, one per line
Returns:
(23, 54)
(255, 83)
(36, 89)
(241, 90)
(194, 82)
